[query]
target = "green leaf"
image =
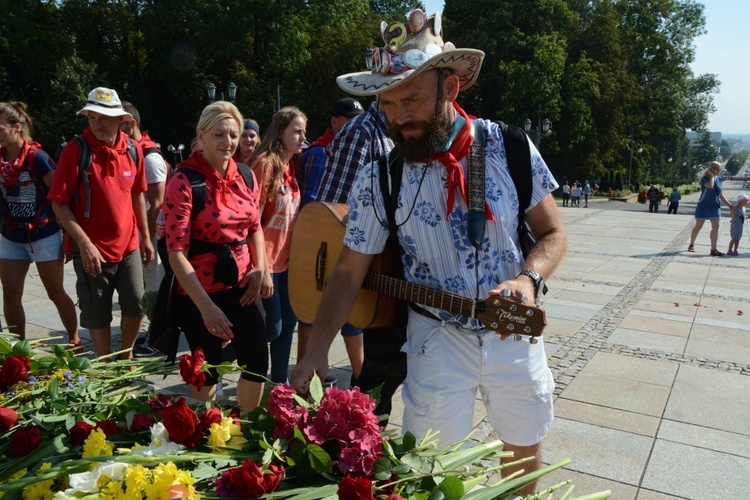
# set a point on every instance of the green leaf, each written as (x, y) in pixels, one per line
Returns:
(320, 461)
(452, 488)
(316, 389)
(79, 363)
(436, 495)
(401, 469)
(382, 476)
(54, 388)
(225, 368)
(22, 348)
(408, 442)
(4, 346)
(58, 350)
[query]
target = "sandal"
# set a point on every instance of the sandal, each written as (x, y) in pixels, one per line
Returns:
(691, 248)
(716, 253)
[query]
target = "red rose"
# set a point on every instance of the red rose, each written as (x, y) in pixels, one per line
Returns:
(273, 477)
(8, 418)
(25, 440)
(248, 480)
(359, 488)
(182, 423)
(142, 422)
(108, 427)
(79, 432)
(211, 416)
(191, 369)
(14, 370)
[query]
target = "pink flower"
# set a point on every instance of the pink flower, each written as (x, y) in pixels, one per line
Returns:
(286, 415)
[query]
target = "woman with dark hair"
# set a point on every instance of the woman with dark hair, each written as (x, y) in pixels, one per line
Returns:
(274, 165)
(30, 232)
(218, 256)
(249, 140)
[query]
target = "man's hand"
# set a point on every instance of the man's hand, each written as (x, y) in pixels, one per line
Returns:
(91, 259)
(147, 252)
(308, 366)
(519, 290)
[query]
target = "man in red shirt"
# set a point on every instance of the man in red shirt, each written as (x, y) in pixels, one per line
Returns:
(108, 253)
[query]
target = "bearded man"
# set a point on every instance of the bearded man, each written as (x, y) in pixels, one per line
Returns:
(450, 357)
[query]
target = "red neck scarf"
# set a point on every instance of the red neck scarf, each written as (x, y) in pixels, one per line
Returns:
(11, 170)
(221, 192)
(450, 159)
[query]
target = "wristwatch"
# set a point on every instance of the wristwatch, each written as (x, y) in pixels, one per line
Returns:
(538, 282)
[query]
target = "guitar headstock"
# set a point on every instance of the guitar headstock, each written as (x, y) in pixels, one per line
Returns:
(508, 316)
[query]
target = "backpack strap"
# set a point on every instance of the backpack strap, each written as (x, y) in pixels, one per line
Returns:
(247, 173)
(84, 162)
(198, 187)
(391, 167)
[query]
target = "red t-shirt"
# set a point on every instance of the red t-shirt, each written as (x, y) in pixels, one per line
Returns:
(111, 225)
(221, 221)
(279, 213)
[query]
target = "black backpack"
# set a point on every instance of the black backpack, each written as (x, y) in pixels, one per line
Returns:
(157, 149)
(163, 332)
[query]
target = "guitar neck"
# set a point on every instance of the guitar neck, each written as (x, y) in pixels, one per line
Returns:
(419, 294)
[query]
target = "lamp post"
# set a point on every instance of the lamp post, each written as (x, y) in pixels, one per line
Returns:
(177, 152)
(630, 167)
(231, 92)
(543, 127)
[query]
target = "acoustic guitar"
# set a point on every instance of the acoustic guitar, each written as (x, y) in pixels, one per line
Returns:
(317, 241)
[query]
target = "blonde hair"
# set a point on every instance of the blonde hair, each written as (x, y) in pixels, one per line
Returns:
(271, 146)
(216, 112)
(15, 112)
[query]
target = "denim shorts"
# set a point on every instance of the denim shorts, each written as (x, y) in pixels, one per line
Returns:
(95, 292)
(447, 366)
(45, 250)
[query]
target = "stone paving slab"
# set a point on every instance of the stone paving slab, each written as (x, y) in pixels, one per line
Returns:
(693, 472)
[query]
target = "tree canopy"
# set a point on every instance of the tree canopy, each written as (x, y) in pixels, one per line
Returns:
(610, 75)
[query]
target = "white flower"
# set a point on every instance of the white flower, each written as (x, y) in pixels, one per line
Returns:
(87, 482)
(160, 443)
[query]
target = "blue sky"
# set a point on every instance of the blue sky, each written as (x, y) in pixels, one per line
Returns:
(724, 50)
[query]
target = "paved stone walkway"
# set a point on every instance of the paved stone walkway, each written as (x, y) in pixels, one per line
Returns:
(649, 344)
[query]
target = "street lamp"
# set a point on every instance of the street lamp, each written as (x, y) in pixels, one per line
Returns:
(630, 167)
(176, 151)
(231, 92)
(543, 127)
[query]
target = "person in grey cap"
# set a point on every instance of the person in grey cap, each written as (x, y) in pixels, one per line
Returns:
(103, 217)
(455, 245)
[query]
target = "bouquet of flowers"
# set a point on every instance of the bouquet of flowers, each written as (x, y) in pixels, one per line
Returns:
(71, 427)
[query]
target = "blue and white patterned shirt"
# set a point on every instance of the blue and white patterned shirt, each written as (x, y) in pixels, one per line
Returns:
(363, 140)
(437, 252)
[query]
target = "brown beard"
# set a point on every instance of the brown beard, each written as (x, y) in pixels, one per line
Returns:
(433, 138)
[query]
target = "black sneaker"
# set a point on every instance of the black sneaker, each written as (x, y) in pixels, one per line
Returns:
(143, 350)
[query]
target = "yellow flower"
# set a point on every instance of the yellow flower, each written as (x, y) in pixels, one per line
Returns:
(136, 478)
(225, 435)
(164, 477)
(96, 445)
(113, 491)
(42, 490)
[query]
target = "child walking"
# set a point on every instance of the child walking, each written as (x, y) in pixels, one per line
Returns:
(737, 223)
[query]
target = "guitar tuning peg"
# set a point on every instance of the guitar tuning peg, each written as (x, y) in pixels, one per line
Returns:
(533, 340)
(527, 330)
(496, 302)
(516, 337)
(510, 327)
(513, 308)
(529, 312)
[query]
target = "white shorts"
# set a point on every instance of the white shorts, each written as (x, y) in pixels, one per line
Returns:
(446, 367)
(47, 249)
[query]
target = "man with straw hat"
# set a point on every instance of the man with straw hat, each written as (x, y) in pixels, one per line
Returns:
(103, 214)
(451, 240)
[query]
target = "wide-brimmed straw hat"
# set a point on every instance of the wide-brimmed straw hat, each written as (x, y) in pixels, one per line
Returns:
(105, 102)
(409, 51)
